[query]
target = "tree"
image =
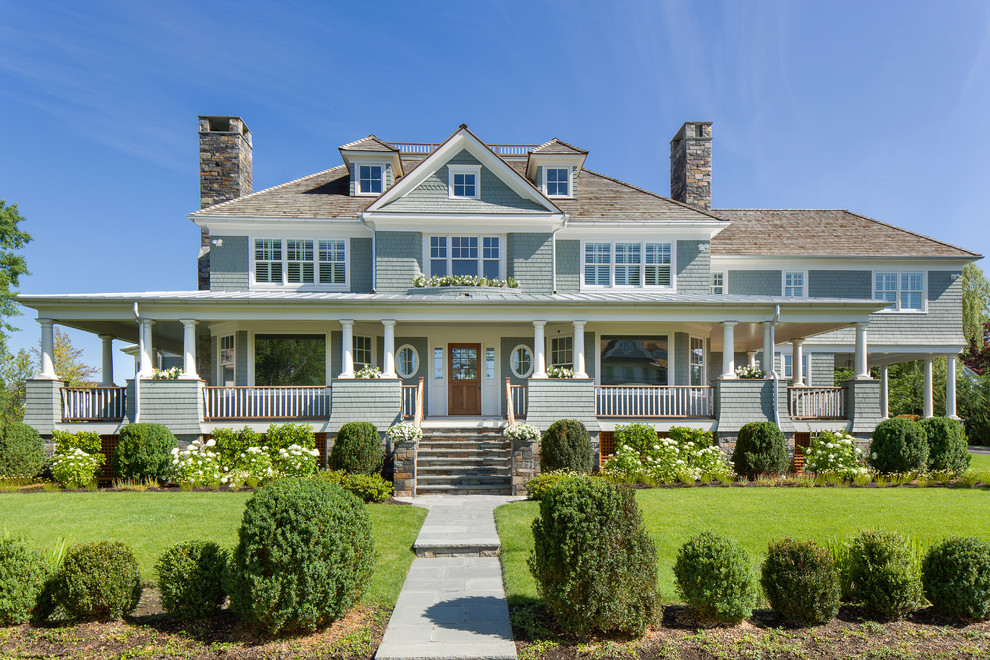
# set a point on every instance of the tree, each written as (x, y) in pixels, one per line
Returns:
(12, 265)
(15, 370)
(975, 305)
(68, 361)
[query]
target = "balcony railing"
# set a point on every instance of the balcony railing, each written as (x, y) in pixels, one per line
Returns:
(93, 404)
(412, 402)
(266, 403)
(815, 403)
(651, 401)
(423, 148)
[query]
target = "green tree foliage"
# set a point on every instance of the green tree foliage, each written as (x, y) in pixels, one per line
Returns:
(12, 265)
(68, 362)
(975, 304)
(290, 360)
(15, 370)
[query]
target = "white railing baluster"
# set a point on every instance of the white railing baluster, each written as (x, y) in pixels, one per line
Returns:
(266, 402)
(653, 401)
(92, 404)
(816, 402)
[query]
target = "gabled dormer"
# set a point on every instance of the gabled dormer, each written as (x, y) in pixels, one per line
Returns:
(373, 166)
(553, 167)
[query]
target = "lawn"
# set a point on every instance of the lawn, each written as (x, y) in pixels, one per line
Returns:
(980, 462)
(753, 516)
(150, 522)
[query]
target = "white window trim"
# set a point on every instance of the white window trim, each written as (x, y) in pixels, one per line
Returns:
(570, 181)
(783, 356)
(373, 350)
(502, 246)
(804, 285)
(704, 360)
(286, 285)
(398, 352)
(532, 361)
(642, 266)
(220, 362)
(895, 308)
(357, 179)
(550, 341)
(464, 169)
(725, 282)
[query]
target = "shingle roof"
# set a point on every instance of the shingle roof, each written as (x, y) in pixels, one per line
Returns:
(370, 143)
(556, 146)
(821, 232)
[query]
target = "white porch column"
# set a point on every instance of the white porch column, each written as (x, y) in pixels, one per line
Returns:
(950, 386)
(189, 350)
(579, 366)
(768, 352)
(927, 405)
(884, 392)
(107, 380)
(751, 359)
(539, 350)
(728, 349)
(147, 354)
(862, 369)
(47, 349)
(797, 362)
(347, 348)
(389, 371)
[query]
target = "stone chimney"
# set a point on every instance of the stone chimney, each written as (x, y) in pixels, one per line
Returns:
(691, 165)
(224, 172)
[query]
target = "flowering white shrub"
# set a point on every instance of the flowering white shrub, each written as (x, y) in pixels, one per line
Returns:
(560, 372)
(403, 433)
(166, 374)
(522, 432)
(296, 461)
(747, 372)
(254, 467)
(196, 465)
(669, 460)
(369, 371)
(75, 468)
(421, 281)
(835, 453)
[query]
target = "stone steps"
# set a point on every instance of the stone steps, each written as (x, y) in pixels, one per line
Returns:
(464, 462)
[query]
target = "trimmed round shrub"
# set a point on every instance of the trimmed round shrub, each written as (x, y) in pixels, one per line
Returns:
(594, 564)
(98, 581)
(566, 446)
(947, 447)
(800, 582)
(304, 556)
(143, 451)
(956, 577)
(190, 578)
(22, 577)
(22, 455)
(760, 449)
(899, 445)
(357, 449)
(883, 574)
(716, 578)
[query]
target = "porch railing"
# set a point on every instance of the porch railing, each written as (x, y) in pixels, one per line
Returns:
(266, 402)
(515, 401)
(412, 402)
(815, 402)
(653, 401)
(93, 404)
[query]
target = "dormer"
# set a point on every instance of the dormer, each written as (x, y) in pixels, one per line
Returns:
(553, 167)
(373, 165)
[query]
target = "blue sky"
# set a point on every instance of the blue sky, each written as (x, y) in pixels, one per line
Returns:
(815, 105)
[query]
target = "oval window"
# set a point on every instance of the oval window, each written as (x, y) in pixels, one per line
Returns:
(521, 361)
(406, 361)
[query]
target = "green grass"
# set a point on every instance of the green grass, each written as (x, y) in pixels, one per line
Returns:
(150, 522)
(980, 462)
(753, 516)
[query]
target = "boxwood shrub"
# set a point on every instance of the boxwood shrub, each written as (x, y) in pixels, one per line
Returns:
(22, 455)
(566, 445)
(368, 487)
(800, 582)
(98, 581)
(190, 578)
(594, 564)
(883, 574)
(716, 578)
(760, 449)
(304, 556)
(87, 441)
(143, 451)
(357, 449)
(899, 445)
(947, 447)
(956, 577)
(22, 576)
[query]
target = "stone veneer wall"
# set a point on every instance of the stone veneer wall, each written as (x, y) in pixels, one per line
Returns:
(691, 165)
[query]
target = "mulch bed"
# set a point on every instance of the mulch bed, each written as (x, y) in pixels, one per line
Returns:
(680, 635)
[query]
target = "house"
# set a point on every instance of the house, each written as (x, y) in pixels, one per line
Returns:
(652, 301)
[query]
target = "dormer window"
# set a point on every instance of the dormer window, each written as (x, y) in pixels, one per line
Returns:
(370, 179)
(558, 182)
(465, 181)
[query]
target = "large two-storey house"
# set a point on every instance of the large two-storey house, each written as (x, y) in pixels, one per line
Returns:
(652, 301)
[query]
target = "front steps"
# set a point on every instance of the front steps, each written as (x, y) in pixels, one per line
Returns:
(464, 461)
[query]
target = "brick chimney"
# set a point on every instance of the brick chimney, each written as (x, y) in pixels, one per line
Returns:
(691, 165)
(224, 172)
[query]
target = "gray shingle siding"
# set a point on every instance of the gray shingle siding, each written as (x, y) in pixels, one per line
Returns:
(568, 266)
(681, 357)
(822, 366)
(840, 284)
(398, 259)
(360, 257)
(739, 402)
(42, 404)
(693, 267)
(356, 400)
(432, 195)
(240, 357)
(755, 282)
(336, 339)
(590, 351)
(528, 260)
(229, 264)
(176, 404)
(551, 399)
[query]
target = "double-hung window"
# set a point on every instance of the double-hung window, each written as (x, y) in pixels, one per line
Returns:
(558, 181)
(794, 284)
(478, 256)
(333, 262)
(905, 290)
(697, 361)
(268, 260)
(370, 179)
(628, 264)
(718, 283)
(299, 254)
(301, 262)
(464, 181)
(362, 352)
(562, 352)
(787, 366)
(227, 360)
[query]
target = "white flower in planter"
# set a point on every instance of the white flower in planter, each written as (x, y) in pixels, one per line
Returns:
(523, 432)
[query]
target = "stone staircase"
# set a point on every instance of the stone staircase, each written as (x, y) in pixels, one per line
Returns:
(464, 461)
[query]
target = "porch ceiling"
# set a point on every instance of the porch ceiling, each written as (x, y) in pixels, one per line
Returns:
(749, 336)
(165, 335)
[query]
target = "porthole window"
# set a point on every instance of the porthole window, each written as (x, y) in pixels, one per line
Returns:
(521, 361)
(406, 361)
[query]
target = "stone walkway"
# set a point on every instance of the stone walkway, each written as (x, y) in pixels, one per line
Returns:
(452, 604)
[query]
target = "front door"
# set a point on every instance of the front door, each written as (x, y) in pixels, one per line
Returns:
(464, 384)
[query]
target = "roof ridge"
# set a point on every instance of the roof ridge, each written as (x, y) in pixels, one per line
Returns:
(657, 195)
(371, 136)
(281, 185)
(558, 141)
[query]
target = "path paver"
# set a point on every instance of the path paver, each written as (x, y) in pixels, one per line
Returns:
(452, 604)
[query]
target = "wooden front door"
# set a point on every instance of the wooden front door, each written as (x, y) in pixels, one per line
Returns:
(464, 383)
